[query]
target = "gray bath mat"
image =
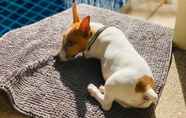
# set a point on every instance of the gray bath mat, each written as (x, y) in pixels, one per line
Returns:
(40, 85)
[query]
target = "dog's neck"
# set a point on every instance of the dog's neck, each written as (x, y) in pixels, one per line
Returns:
(94, 28)
(94, 37)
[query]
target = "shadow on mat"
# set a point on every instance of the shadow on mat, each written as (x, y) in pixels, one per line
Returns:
(77, 74)
(180, 59)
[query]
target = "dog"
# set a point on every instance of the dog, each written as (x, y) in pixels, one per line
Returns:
(128, 77)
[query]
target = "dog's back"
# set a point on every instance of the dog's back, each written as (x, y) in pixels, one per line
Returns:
(114, 49)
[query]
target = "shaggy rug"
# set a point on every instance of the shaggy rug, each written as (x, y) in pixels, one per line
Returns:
(39, 85)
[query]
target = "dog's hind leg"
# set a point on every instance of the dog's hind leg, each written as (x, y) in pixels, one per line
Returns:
(104, 99)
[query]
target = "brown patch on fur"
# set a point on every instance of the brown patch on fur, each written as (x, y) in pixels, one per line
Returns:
(144, 83)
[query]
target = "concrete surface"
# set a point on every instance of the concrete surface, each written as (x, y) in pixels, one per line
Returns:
(173, 100)
(165, 15)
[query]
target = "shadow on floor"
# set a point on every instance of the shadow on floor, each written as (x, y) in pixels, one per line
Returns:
(180, 59)
(78, 74)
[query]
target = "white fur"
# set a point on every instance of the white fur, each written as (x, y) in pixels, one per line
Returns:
(122, 66)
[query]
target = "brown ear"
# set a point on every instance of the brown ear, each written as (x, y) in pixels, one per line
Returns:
(143, 84)
(85, 25)
(76, 17)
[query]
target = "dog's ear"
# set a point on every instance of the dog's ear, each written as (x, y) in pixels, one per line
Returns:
(85, 25)
(75, 13)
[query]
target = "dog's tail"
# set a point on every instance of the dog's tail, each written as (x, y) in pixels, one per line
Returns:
(151, 95)
(145, 85)
(75, 13)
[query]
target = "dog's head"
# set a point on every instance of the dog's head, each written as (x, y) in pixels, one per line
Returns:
(75, 38)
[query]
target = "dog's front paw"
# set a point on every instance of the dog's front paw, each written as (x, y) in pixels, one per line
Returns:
(92, 89)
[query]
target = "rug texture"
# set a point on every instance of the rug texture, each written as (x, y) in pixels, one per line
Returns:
(39, 85)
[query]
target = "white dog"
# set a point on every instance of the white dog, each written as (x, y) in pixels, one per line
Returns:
(128, 78)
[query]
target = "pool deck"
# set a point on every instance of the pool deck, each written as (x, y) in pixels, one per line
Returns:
(173, 100)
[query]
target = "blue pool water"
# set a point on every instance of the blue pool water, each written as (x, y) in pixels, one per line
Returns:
(17, 13)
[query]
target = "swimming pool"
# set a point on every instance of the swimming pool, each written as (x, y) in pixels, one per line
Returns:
(17, 13)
